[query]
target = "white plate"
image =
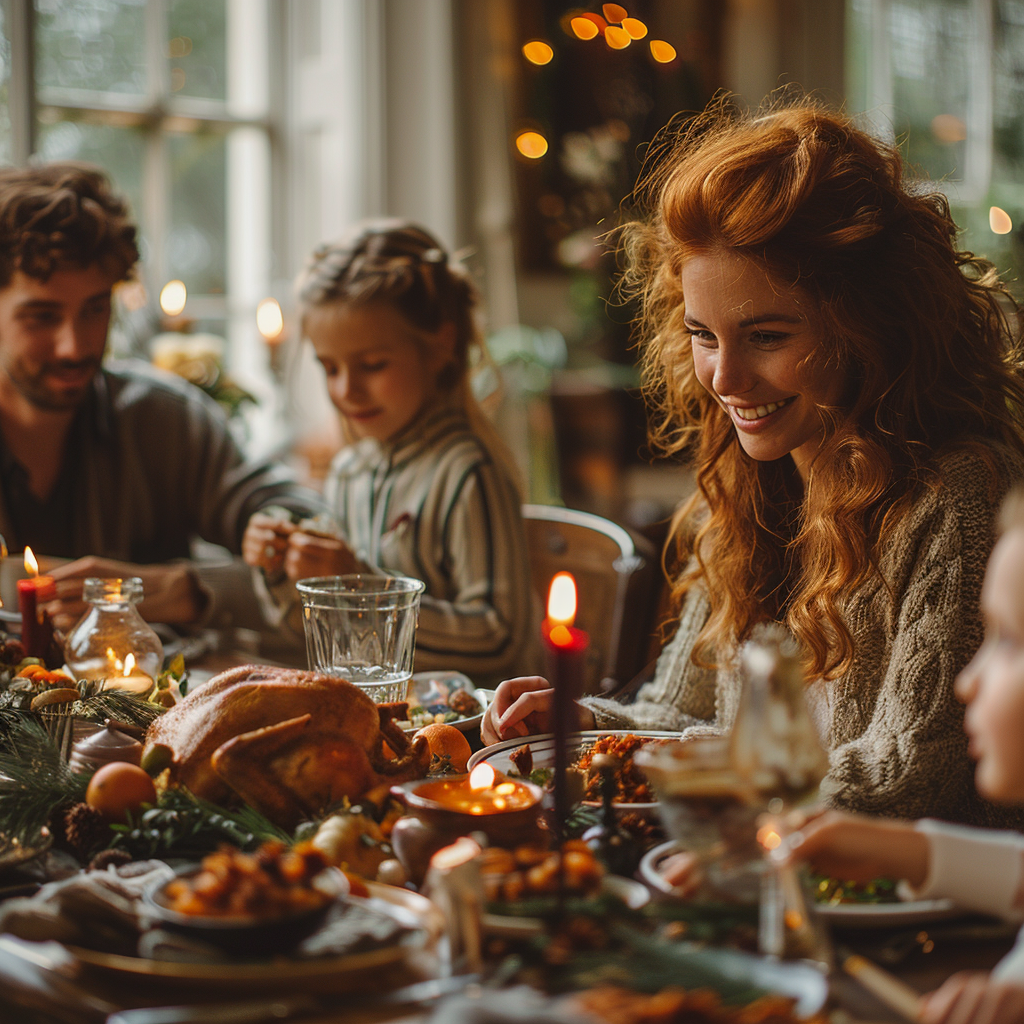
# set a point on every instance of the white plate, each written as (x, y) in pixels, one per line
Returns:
(434, 687)
(841, 915)
(631, 892)
(543, 749)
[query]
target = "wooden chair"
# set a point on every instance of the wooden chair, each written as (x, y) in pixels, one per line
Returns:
(617, 576)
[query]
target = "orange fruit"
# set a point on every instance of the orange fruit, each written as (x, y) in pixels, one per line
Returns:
(119, 788)
(445, 741)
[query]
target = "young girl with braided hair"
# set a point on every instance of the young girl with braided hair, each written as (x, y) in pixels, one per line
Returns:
(424, 487)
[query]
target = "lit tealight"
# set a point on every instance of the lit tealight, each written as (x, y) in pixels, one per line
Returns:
(584, 28)
(999, 221)
(269, 319)
(662, 52)
(538, 52)
(531, 144)
(31, 564)
(172, 297)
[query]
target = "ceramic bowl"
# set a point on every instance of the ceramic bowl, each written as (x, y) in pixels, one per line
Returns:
(249, 935)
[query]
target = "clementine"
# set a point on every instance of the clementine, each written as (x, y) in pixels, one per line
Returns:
(119, 788)
(445, 741)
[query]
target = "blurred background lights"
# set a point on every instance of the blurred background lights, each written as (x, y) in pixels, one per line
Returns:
(538, 52)
(172, 297)
(584, 28)
(999, 221)
(662, 52)
(948, 128)
(635, 27)
(617, 38)
(614, 12)
(531, 144)
(269, 319)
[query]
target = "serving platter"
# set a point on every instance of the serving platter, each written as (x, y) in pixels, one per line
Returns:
(432, 689)
(328, 973)
(542, 746)
(840, 915)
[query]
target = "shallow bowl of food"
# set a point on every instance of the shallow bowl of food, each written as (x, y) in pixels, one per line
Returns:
(505, 757)
(249, 934)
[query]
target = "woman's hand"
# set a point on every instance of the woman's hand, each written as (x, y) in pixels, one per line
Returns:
(171, 592)
(265, 541)
(522, 707)
(858, 849)
(313, 554)
(973, 998)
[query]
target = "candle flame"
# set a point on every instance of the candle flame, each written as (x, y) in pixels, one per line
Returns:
(562, 599)
(113, 658)
(129, 664)
(482, 776)
(31, 565)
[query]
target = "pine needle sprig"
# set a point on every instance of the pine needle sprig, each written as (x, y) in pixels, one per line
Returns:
(120, 706)
(34, 779)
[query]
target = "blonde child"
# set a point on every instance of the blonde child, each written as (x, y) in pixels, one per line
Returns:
(979, 869)
(424, 486)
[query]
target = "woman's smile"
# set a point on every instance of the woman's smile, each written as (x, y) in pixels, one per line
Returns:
(758, 348)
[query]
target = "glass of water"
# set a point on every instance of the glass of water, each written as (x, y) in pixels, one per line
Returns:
(362, 628)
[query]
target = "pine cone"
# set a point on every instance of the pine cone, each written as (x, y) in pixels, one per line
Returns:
(105, 858)
(85, 831)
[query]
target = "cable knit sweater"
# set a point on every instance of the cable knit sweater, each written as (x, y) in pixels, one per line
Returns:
(892, 725)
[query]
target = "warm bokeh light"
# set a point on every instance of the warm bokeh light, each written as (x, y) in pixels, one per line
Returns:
(31, 565)
(562, 599)
(999, 221)
(584, 28)
(768, 837)
(538, 52)
(662, 52)
(617, 38)
(596, 19)
(614, 12)
(948, 128)
(531, 144)
(129, 664)
(635, 27)
(269, 319)
(172, 297)
(482, 776)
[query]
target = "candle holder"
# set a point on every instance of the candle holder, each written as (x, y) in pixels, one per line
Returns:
(112, 646)
(436, 820)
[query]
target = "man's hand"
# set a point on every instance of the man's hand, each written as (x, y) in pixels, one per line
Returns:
(265, 541)
(859, 849)
(313, 554)
(171, 592)
(973, 998)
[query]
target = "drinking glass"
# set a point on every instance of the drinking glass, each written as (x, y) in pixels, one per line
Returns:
(362, 628)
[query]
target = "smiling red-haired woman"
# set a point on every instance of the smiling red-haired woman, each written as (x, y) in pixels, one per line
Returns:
(848, 385)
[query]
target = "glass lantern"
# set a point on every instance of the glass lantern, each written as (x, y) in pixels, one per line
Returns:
(112, 645)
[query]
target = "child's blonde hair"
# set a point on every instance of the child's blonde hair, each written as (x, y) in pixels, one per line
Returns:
(399, 264)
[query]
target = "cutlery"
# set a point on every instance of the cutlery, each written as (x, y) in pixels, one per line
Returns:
(896, 994)
(270, 1009)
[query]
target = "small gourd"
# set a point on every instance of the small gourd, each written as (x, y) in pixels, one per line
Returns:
(352, 841)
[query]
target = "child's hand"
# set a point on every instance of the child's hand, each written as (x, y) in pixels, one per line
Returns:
(973, 998)
(265, 541)
(312, 554)
(858, 849)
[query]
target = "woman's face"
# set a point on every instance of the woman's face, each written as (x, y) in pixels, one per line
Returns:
(757, 348)
(380, 372)
(992, 685)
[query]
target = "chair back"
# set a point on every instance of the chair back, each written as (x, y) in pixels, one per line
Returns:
(616, 581)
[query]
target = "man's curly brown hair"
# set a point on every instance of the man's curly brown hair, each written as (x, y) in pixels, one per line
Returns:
(59, 215)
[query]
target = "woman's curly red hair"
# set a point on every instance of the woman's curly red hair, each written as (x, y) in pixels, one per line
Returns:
(924, 334)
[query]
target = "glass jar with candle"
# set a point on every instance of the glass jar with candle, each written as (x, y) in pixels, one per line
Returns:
(112, 644)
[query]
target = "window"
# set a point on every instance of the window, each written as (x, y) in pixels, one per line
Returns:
(172, 98)
(945, 78)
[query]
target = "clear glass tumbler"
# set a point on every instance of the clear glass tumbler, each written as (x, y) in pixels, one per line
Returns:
(362, 628)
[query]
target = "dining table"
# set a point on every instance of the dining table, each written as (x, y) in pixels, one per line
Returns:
(45, 983)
